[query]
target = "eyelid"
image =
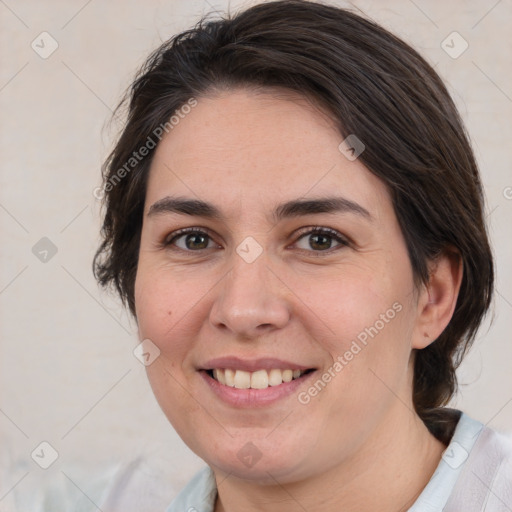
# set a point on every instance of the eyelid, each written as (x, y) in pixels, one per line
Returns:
(343, 240)
(192, 229)
(168, 239)
(306, 230)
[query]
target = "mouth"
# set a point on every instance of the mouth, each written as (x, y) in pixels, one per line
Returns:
(259, 379)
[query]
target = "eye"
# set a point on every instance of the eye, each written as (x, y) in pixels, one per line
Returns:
(193, 239)
(320, 239)
(198, 239)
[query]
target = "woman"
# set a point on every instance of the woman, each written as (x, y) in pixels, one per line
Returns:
(294, 216)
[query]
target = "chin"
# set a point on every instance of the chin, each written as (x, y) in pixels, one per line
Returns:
(254, 462)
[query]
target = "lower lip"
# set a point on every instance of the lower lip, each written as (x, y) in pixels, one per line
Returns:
(254, 397)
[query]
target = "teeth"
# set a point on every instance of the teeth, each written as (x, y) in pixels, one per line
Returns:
(229, 377)
(287, 375)
(260, 379)
(242, 380)
(275, 377)
(219, 375)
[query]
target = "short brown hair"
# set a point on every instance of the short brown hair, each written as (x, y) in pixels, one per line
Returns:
(379, 89)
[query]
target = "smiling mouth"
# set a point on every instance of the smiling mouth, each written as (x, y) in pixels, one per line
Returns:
(260, 379)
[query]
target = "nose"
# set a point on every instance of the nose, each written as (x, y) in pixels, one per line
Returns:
(251, 300)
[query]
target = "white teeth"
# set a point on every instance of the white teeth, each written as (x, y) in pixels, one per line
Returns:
(287, 375)
(260, 379)
(229, 377)
(219, 375)
(275, 377)
(242, 379)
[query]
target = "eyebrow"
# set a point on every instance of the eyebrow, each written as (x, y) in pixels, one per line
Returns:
(294, 208)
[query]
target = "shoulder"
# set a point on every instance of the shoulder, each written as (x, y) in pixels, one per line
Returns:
(138, 486)
(199, 495)
(485, 479)
(150, 482)
(474, 473)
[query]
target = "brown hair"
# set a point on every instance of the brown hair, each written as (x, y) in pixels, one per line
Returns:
(379, 89)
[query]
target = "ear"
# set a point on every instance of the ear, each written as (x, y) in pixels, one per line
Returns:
(437, 300)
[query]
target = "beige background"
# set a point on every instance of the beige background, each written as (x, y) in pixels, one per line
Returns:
(68, 375)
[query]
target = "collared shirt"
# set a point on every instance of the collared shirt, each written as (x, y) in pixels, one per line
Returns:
(474, 475)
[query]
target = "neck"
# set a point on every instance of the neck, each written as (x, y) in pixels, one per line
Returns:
(387, 474)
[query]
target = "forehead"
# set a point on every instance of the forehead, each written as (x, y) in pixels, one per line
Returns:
(258, 149)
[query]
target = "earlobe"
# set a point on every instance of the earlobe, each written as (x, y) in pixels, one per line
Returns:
(438, 298)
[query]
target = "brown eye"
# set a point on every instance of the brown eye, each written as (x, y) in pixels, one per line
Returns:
(189, 240)
(321, 239)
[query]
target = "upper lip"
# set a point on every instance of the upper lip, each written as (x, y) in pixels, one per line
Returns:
(251, 365)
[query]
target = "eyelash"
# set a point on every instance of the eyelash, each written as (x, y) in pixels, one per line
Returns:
(317, 230)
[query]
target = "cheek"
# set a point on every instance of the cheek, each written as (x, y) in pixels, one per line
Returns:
(159, 299)
(355, 299)
(370, 314)
(157, 307)
(153, 309)
(168, 307)
(165, 315)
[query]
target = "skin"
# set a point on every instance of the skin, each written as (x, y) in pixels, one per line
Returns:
(246, 152)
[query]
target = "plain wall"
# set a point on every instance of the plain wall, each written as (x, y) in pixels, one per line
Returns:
(68, 374)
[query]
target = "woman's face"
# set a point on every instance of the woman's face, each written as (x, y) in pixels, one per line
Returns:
(255, 287)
